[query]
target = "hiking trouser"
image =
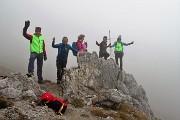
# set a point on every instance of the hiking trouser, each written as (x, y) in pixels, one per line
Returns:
(105, 55)
(39, 58)
(60, 68)
(117, 56)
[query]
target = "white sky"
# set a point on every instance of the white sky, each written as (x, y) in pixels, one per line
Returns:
(154, 58)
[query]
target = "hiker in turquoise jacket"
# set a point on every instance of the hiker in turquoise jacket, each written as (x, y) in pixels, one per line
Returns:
(119, 50)
(37, 51)
(61, 61)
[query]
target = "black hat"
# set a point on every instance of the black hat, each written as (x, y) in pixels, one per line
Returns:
(105, 37)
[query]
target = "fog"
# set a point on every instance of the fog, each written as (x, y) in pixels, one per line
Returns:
(153, 25)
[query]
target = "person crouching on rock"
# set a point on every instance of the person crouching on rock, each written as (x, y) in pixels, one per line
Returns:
(37, 50)
(119, 50)
(55, 103)
(61, 61)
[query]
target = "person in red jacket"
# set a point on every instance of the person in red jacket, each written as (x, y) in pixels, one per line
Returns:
(37, 51)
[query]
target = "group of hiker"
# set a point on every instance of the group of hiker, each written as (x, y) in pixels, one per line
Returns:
(118, 49)
(38, 51)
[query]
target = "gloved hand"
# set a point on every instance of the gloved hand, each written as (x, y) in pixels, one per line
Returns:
(132, 42)
(45, 57)
(53, 39)
(27, 23)
(96, 43)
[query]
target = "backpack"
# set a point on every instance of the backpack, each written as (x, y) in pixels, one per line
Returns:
(55, 103)
(45, 98)
(74, 45)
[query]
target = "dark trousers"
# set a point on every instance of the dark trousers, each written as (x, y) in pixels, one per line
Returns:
(60, 68)
(105, 55)
(39, 58)
(117, 56)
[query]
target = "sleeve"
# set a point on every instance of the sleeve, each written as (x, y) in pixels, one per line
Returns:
(27, 36)
(126, 44)
(109, 45)
(44, 48)
(55, 45)
(70, 47)
(113, 44)
(97, 43)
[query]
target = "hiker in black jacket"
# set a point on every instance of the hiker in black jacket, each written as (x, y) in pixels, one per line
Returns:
(103, 46)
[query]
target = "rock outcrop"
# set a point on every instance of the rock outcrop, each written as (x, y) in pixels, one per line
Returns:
(100, 82)
(18, 87)
(89, 88)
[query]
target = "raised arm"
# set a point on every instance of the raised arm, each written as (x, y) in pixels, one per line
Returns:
(27, 36)
(97, 43)
(126, 44)
(55, 45)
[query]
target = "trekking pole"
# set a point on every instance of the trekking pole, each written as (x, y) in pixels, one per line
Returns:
(110, 50)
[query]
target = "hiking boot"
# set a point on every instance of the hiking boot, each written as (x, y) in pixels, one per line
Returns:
(29, 74)
(40, 81)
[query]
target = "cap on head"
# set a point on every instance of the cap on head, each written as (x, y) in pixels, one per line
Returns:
(119, 37)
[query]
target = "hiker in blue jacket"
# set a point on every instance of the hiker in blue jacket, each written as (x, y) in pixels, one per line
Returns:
(61, 61)
(119, 50)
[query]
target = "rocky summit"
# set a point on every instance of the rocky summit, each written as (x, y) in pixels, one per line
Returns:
(95, 90)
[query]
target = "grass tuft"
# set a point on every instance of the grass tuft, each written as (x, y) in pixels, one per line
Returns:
(78, 103)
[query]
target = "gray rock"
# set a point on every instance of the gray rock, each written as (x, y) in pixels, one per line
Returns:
(108, 118)
(11, 93)
(115, 95)
(18, 86)
(104, 79)
(29, 95)
(3, 84)
(96, 81)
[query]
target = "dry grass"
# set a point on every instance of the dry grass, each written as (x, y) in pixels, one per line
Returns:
(47, 81)
(2, 117)
(99, 112)
(131, 111)
(78, 103)
(126, 112)
(84, 116)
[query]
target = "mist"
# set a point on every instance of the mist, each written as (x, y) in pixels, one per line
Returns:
(153, 59)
